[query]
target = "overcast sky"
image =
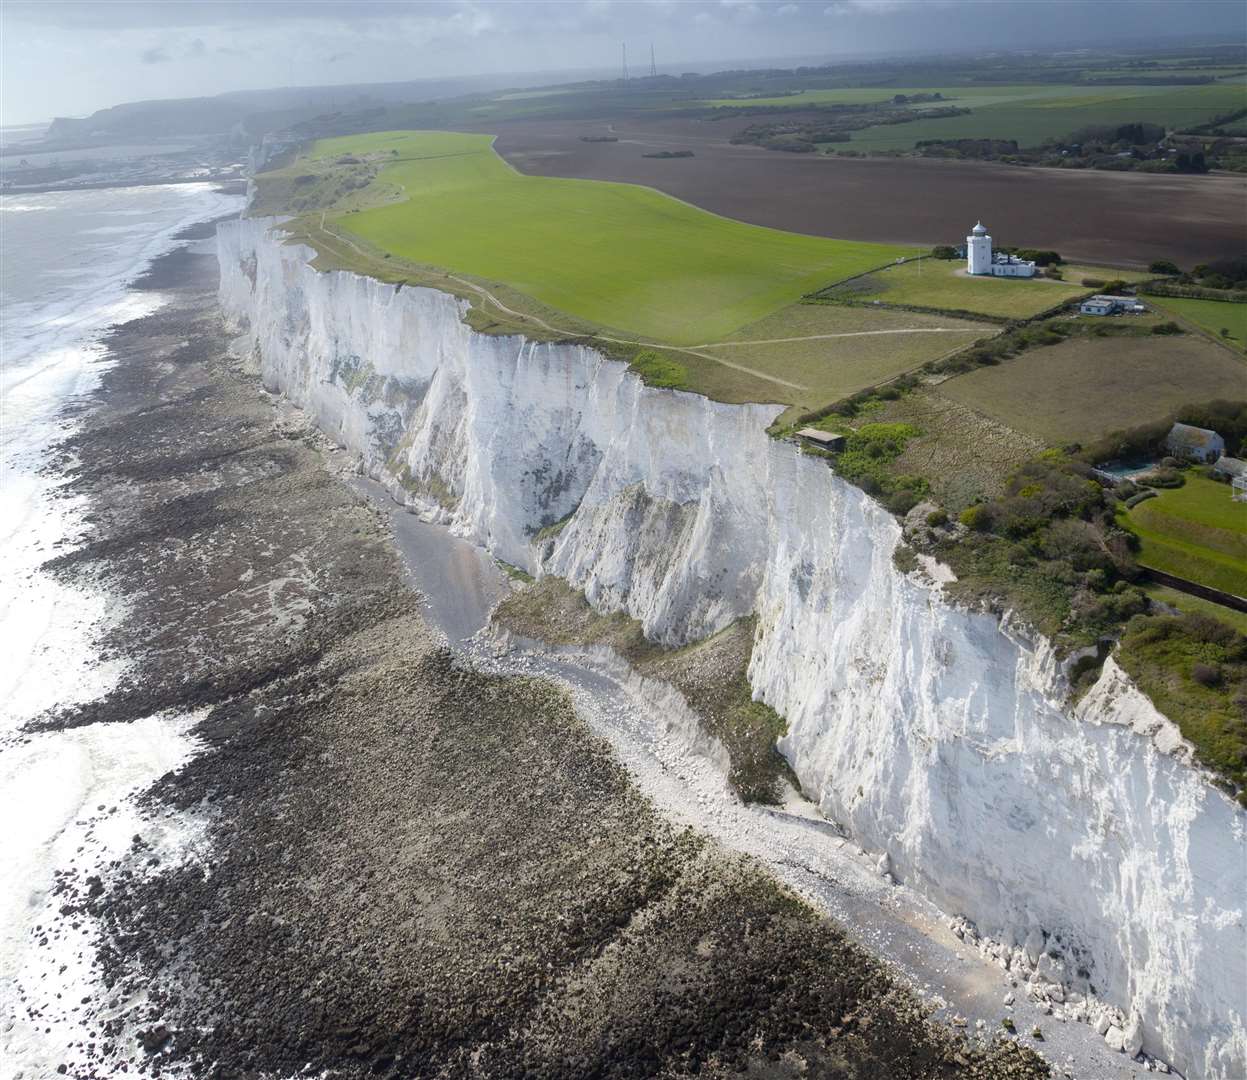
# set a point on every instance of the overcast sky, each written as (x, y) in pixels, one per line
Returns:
(70, 58)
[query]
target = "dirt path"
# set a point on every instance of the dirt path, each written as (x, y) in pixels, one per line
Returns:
(847, 333)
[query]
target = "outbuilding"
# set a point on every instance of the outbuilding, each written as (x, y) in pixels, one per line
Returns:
(824, 440)
(1194, 443)
(1230, 466)
(1112, 305)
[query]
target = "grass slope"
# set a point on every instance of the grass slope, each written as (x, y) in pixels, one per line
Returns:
(616, 255)
(1197, 532)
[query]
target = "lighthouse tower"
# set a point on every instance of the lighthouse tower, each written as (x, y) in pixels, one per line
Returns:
(979, 251)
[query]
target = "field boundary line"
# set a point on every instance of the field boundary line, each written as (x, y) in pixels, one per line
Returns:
(826, 337)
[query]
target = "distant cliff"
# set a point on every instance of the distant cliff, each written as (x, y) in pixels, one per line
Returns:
(153, 119)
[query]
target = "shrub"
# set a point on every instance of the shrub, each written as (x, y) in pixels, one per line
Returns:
(1163, 266)
(1163, 478)
(1167, 328)
(1139, 497)
(943, 251)
(901, 501)
(976, 517)
(936, 518)
(1093, 282)
(659, 371)
(1208, 675)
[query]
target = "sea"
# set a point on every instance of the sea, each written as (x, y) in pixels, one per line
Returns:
(67, 798)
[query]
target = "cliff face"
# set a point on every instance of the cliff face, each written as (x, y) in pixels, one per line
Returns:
(1080, 840)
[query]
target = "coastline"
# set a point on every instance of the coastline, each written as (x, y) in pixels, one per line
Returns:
(403, 865)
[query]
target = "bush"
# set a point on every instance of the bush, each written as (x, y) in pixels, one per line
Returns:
(943, 251)
(656, 370)
(1163, 266)
(976, 517)
(1141, 496)
(901, 501)
(1208, 675)
(936, 518)
(1093, 282)
(1167, 328)
(1163, 478)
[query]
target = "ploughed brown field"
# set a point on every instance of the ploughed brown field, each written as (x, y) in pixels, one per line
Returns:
(1123, 219)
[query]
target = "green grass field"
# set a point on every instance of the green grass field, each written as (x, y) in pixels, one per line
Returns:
(1033, 118)
(615, 255)
(1088, 386)
(970, 97)
(939, 283)
(1211, 315)
(1197, 532)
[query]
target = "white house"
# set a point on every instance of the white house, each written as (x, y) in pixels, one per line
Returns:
(980, 260)
(1194, 443)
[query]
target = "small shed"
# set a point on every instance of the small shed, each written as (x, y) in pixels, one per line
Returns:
(824, 440)
(1194, 443)
(1230, 466)
(1097, 305)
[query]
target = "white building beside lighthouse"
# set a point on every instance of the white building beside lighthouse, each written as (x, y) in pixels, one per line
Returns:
(980, 260)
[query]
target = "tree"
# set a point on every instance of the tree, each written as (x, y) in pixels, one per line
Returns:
(943, 251)
(1163, 266)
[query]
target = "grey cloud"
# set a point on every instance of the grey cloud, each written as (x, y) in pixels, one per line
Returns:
(155, 55)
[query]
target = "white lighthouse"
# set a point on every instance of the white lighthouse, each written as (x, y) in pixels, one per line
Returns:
(979, 251)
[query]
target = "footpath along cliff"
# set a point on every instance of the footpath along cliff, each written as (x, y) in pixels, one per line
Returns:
(1080, 842)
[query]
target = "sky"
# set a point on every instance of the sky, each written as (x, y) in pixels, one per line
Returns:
(70, 57)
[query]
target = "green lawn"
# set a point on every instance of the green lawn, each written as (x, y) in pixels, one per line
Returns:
(1197, 532)
(1212, 315)
(1057, 112)
(939, 283)
(616, 255)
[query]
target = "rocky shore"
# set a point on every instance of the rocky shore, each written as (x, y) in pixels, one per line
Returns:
(408, 867)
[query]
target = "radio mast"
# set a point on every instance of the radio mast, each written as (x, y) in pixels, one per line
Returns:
(624, 46)
(653, 68)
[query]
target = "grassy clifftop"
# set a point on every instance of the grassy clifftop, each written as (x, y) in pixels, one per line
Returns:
(616, 255)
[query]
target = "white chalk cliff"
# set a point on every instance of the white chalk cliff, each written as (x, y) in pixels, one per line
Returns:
(1081, 840)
